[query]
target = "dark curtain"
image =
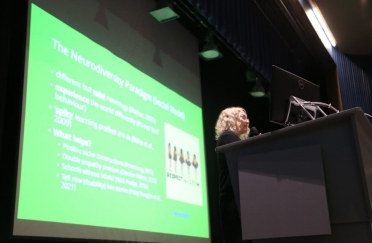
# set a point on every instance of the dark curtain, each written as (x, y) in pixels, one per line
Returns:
(260, 33)
(355, 78)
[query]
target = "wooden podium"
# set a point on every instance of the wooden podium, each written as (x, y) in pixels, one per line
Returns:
(311, 182)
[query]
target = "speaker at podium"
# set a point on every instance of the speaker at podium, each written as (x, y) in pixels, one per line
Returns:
(311, 182)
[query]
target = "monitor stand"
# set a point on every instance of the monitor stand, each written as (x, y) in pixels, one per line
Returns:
(307, 106)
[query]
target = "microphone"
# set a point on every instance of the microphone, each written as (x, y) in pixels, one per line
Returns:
(253, 132)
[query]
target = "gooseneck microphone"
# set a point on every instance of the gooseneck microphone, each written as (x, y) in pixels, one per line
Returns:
(253, 132)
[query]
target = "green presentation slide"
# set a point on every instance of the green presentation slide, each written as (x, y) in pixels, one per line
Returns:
(103, 143)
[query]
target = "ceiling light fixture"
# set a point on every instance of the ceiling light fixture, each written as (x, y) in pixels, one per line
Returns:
(163, 12)
(258, 90)
(210, 50)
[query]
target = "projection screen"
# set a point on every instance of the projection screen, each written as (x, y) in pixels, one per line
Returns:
(112, 144)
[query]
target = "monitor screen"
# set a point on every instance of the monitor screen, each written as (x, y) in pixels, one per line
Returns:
(283, 85)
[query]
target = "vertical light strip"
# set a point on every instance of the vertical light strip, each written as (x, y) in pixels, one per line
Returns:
(318, 28)
(324, 25)
(318, 22)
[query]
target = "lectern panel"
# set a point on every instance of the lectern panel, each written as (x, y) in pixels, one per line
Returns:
(282, 194)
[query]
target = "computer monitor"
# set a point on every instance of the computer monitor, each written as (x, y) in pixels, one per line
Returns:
(283, 85)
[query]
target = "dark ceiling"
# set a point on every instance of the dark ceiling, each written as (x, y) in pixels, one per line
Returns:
(351, 24)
